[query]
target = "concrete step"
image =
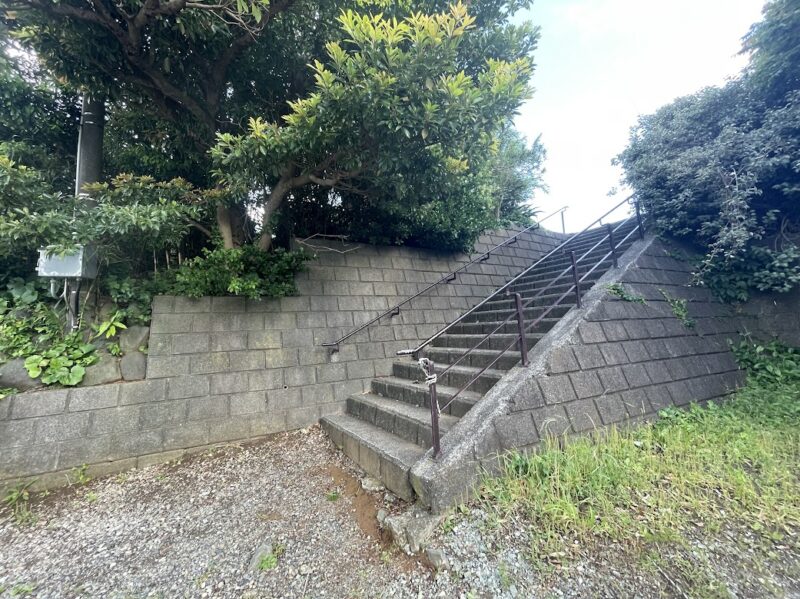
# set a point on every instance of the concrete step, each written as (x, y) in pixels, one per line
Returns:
(380, 453)
(417, 394)
(531, 313)
(408, 422)
(499, 341)
(458, 376)
(478, 358)
(487, 326)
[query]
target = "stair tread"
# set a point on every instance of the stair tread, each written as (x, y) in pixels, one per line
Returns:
(443, 390)
(465, 369)
(412, 412)
(395, 449)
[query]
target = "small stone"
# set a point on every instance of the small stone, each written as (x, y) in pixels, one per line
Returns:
(132, 338)
(437, 558)
(371, 485)
(382, 516)
(305, 570)
(14, 375)
(263, 551)
(104, 371)
(133, 366)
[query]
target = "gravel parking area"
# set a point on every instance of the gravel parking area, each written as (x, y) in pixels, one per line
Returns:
(191, 529)
(289, 517)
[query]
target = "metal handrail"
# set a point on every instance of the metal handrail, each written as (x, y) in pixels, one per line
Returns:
(518, 311)
(414, 352)
(451, 276)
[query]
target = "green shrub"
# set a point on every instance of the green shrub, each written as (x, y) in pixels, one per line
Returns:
(768, 363)
(246, 271)
(63, 362)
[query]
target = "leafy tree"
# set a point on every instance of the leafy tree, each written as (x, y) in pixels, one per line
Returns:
(392, 113)
(719, 168)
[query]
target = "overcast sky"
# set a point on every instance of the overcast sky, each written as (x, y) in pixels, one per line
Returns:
(600, 64)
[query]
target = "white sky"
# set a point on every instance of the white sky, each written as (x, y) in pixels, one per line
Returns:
(600, 64)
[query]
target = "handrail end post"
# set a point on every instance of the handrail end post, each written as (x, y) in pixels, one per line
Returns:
(523, 342)
(434, 401)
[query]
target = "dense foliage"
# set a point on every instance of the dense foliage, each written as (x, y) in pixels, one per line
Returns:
(392, 115)
(720, 168)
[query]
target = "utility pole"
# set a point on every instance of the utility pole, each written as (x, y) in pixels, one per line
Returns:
(89, 167)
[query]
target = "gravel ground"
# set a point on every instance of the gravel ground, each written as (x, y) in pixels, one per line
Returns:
(192, 529)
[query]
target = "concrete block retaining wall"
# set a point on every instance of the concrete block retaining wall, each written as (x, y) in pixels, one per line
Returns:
(226, 368)
(613, 362)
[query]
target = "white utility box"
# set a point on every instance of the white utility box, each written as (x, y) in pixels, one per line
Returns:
(80, 264)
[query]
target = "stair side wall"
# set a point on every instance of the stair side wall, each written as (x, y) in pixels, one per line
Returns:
(612, 362)
(229, 369)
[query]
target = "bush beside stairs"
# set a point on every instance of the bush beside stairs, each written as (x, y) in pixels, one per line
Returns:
(388, 429)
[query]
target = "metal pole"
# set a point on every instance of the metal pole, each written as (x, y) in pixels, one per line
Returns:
(639, 220)
(613, 245)
(434, 412)
(576, 279)
(89, 160)
(563, 226)
(523, 342)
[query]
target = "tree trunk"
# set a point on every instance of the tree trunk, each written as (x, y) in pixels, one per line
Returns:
(224, 224)
(89, 167)
(276, 198)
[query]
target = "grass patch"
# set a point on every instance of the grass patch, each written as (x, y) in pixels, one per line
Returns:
(693, 469)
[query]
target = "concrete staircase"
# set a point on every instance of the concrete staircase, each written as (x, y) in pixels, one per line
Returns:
(387, 430)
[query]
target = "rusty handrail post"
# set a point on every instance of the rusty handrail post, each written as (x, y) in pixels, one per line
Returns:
(523, 342)
(576, 279)
(614, 260)
(437, 449)
(639, 219)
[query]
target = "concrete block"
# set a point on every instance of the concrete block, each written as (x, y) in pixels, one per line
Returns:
(562, 360)
(583, 415)
(317, 394)
(659, 397)
(261, 380)
(93, 398)
(281, 358)
(167, 366)
(76, 452)
(328, 373)
(267, 423)
(190, 434)
(263, 304)
(657, 371)
(299, 376)
(551, 421)
(26, 461)
(302, 417)
(297, 338)
(38, 403)
(636, 402)
(311, 320)
(208, 363)
(133, 366)
(201, 323)
(636, 375)
(516, 430)
(19, 433)
(231, 429)
(171, 323)
(228, 382)
(614, 331)
(680, 392)
(204, 408)
(591, 332)
(612, 379)
(295, 304)
(241, 361)
(114, 420)
(529, 397)
(284, 399)
(613, 353)
(189, 304)
(264, 339)
(191, 343)
(188, 386)
(589, 356)
(162, 304)
(142, 392)
(636, 351)
(136, 443)
(556, 389)
(228, 304)
(165, 413)
(248, 403)
(611, 408)
(586, 384)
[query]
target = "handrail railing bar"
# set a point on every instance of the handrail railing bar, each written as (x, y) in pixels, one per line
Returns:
(507, 285)
(394, 310)
(541, 317)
